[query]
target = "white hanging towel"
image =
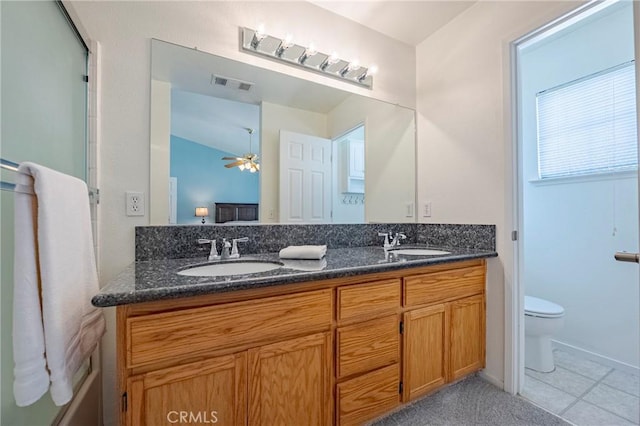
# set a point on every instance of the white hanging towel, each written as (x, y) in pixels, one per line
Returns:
(55, 327)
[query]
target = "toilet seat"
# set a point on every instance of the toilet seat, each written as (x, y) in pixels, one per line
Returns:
(536, 307)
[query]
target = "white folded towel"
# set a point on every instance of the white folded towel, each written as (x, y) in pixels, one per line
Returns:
(305, 264)
(54, 279)
(303, 252)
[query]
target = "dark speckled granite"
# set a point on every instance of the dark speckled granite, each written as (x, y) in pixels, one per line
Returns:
(157, 279)
(175, 242)
(354, 249)
(481, 237)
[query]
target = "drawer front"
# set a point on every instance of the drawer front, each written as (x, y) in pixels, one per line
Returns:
(440, 286)
(169, 336)
(367, 300)
(369, 396)
(369, 345)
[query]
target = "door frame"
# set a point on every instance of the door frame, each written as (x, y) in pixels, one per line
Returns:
(514, 288)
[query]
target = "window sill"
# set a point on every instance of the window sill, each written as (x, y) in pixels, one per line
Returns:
(627, 174)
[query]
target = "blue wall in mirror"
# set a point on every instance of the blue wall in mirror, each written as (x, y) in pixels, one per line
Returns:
(203, 180)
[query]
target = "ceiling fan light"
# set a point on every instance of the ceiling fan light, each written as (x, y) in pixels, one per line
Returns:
(241, 166)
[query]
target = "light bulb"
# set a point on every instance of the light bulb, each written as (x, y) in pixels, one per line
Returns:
(373, 70)
(308, 52)
(288, 40)
(311, 50)
(260, 32)
(354, 65)
(241, 166)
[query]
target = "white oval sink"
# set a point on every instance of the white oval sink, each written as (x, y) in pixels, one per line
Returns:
(236, 267)
(419, 252)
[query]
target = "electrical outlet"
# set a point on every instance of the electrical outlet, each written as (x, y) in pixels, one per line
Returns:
(427, 209)
(135, 203)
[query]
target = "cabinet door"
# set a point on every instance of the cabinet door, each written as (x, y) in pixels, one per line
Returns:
(290, 382)
(467, 349)
(425, 350)
(203, 392)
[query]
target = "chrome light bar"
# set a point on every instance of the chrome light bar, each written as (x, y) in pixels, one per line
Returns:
(285, 50)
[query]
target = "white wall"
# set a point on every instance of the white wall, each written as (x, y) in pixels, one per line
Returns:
(124, 30)
(464, 139)
(568, 233)
(389, 155)
(273, 119)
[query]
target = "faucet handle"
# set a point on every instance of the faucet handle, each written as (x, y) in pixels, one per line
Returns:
(234, 249)
(213, 254)
(386, 244)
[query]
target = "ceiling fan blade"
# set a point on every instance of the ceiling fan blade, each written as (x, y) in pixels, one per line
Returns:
(235, 164)
(232, 158)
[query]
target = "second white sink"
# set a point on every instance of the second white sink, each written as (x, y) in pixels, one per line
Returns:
(236, 267)
(420, 252)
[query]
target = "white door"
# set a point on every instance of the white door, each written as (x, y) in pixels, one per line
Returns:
(305, 178)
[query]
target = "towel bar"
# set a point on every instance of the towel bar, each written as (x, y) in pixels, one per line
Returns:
(94, 193)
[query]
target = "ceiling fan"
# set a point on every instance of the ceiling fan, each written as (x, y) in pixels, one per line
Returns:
(248, 161)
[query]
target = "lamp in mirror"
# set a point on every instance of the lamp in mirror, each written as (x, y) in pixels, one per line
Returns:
(202, 212)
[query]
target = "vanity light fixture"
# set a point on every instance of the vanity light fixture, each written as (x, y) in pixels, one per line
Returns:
(285, 50)
(202, 212)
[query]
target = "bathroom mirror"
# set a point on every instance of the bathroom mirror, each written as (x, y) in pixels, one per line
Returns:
(205, 107)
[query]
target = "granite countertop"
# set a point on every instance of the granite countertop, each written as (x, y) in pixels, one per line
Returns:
(145, 281)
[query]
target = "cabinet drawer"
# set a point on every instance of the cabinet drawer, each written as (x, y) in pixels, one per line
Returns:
(447, 285)
(372, 299)
(369, 345)
(169, 336)
(369, 396)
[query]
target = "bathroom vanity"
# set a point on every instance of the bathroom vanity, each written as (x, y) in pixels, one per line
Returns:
(340, 345)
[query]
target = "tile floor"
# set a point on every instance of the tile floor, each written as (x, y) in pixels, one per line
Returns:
(585, 393)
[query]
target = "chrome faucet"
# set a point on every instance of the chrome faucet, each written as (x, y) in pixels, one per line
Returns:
(395, 241)
(235, 254)
(213, 254)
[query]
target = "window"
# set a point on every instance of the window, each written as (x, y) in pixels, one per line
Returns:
(588, 126)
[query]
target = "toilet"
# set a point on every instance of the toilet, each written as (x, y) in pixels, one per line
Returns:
(542, 319)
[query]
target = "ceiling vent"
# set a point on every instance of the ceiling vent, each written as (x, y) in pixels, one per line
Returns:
(231, 83)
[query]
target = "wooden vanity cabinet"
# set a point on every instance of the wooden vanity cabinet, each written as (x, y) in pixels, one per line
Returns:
(260, 361)
(443, 341)
(341, 351)
(290, 382)
(209, 391)
(367, 350)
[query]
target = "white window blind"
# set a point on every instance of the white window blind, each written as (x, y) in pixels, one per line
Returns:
(588, 126)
